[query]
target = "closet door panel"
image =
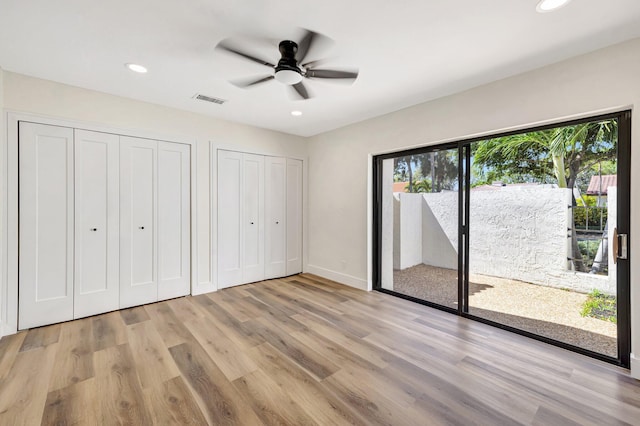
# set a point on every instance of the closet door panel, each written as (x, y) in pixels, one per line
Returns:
(275, 217)
(294, 216)
(138, 194)
(96, 280)
(229, 218)
(46, 225)
(173, 220)
(253, 215)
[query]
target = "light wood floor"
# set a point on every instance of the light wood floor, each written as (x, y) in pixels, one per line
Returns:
(297, 351)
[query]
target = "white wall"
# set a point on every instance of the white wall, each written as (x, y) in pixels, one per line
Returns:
(517, 233)
(588, 84)
(41, 97)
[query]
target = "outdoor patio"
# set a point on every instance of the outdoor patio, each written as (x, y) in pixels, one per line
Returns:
(546, 311)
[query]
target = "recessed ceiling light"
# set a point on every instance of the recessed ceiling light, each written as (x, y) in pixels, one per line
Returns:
(136, 68)
(550, 5)
(296, 113)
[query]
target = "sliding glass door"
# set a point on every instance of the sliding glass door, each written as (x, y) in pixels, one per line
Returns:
(526, 231)
(420, 197)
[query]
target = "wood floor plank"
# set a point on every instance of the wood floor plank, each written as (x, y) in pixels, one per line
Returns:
(116, 377)
(74, 360)
(41, 337)
(272, 404)
(172, 403)
(360, 347)
(23, 391)
(268, 299)
(72, 405)
(319, 366)
(108, 330)
(368, 402)
(322, 406)
(227, 355)
(235, 330)
(152, 359)
(185, 309)
(220, 402)
(9, 347)
(134, 315)
(170, 328)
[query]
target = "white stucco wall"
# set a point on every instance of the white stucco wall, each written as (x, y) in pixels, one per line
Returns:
(339, 244)
(410, 230)
(517, 233)
(439, 237)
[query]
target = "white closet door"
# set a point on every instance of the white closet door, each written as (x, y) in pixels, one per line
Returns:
(138, 195)
(275, 217)
(253, 218)
(46, 225)
(96, 280)
(294, 216)
(174, 271)
(229, 218)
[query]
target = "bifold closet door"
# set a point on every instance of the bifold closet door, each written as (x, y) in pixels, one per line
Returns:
(138, 233)
(275, 217)
(229, 218)
(253, 218)
(174, 269)
(96, 280)
(294, 216)
(46, 224)
(240, 218)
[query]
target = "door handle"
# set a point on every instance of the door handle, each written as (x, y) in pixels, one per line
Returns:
(140, 227)
(93, 229)
(620, 246)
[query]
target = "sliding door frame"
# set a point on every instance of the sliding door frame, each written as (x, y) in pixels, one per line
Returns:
(464, 184)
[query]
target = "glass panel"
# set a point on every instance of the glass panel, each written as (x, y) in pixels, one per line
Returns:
(542, 212)
(419, 240)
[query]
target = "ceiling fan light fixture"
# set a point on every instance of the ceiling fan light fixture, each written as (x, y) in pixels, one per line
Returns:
(550, 5)
(290, 77)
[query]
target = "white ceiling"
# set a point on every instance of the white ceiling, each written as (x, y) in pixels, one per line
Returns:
(407, 51)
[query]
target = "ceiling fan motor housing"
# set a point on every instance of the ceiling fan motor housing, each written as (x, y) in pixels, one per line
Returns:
(288, 50)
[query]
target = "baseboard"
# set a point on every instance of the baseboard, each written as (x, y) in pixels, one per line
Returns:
(349, 280)
(203, 288)
(6, 330)
(635, 367)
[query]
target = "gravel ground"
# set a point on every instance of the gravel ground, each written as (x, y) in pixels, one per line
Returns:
(546, 311)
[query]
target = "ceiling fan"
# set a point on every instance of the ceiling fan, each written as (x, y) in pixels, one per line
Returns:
(291, 70)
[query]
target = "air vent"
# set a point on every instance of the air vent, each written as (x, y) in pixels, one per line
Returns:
(209, 99)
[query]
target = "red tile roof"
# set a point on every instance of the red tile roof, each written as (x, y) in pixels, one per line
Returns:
(400, 186)
(599, 184)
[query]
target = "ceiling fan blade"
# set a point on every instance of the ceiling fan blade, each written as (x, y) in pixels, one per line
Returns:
(305, 44)
(314, 63)
(331, 74)
(300, 90)
(226, 48)
(251, 82)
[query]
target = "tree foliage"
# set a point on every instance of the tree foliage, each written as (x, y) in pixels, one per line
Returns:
(558, 155)
(428, 172)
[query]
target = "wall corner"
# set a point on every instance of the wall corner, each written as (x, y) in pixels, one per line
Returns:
(635, 366)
